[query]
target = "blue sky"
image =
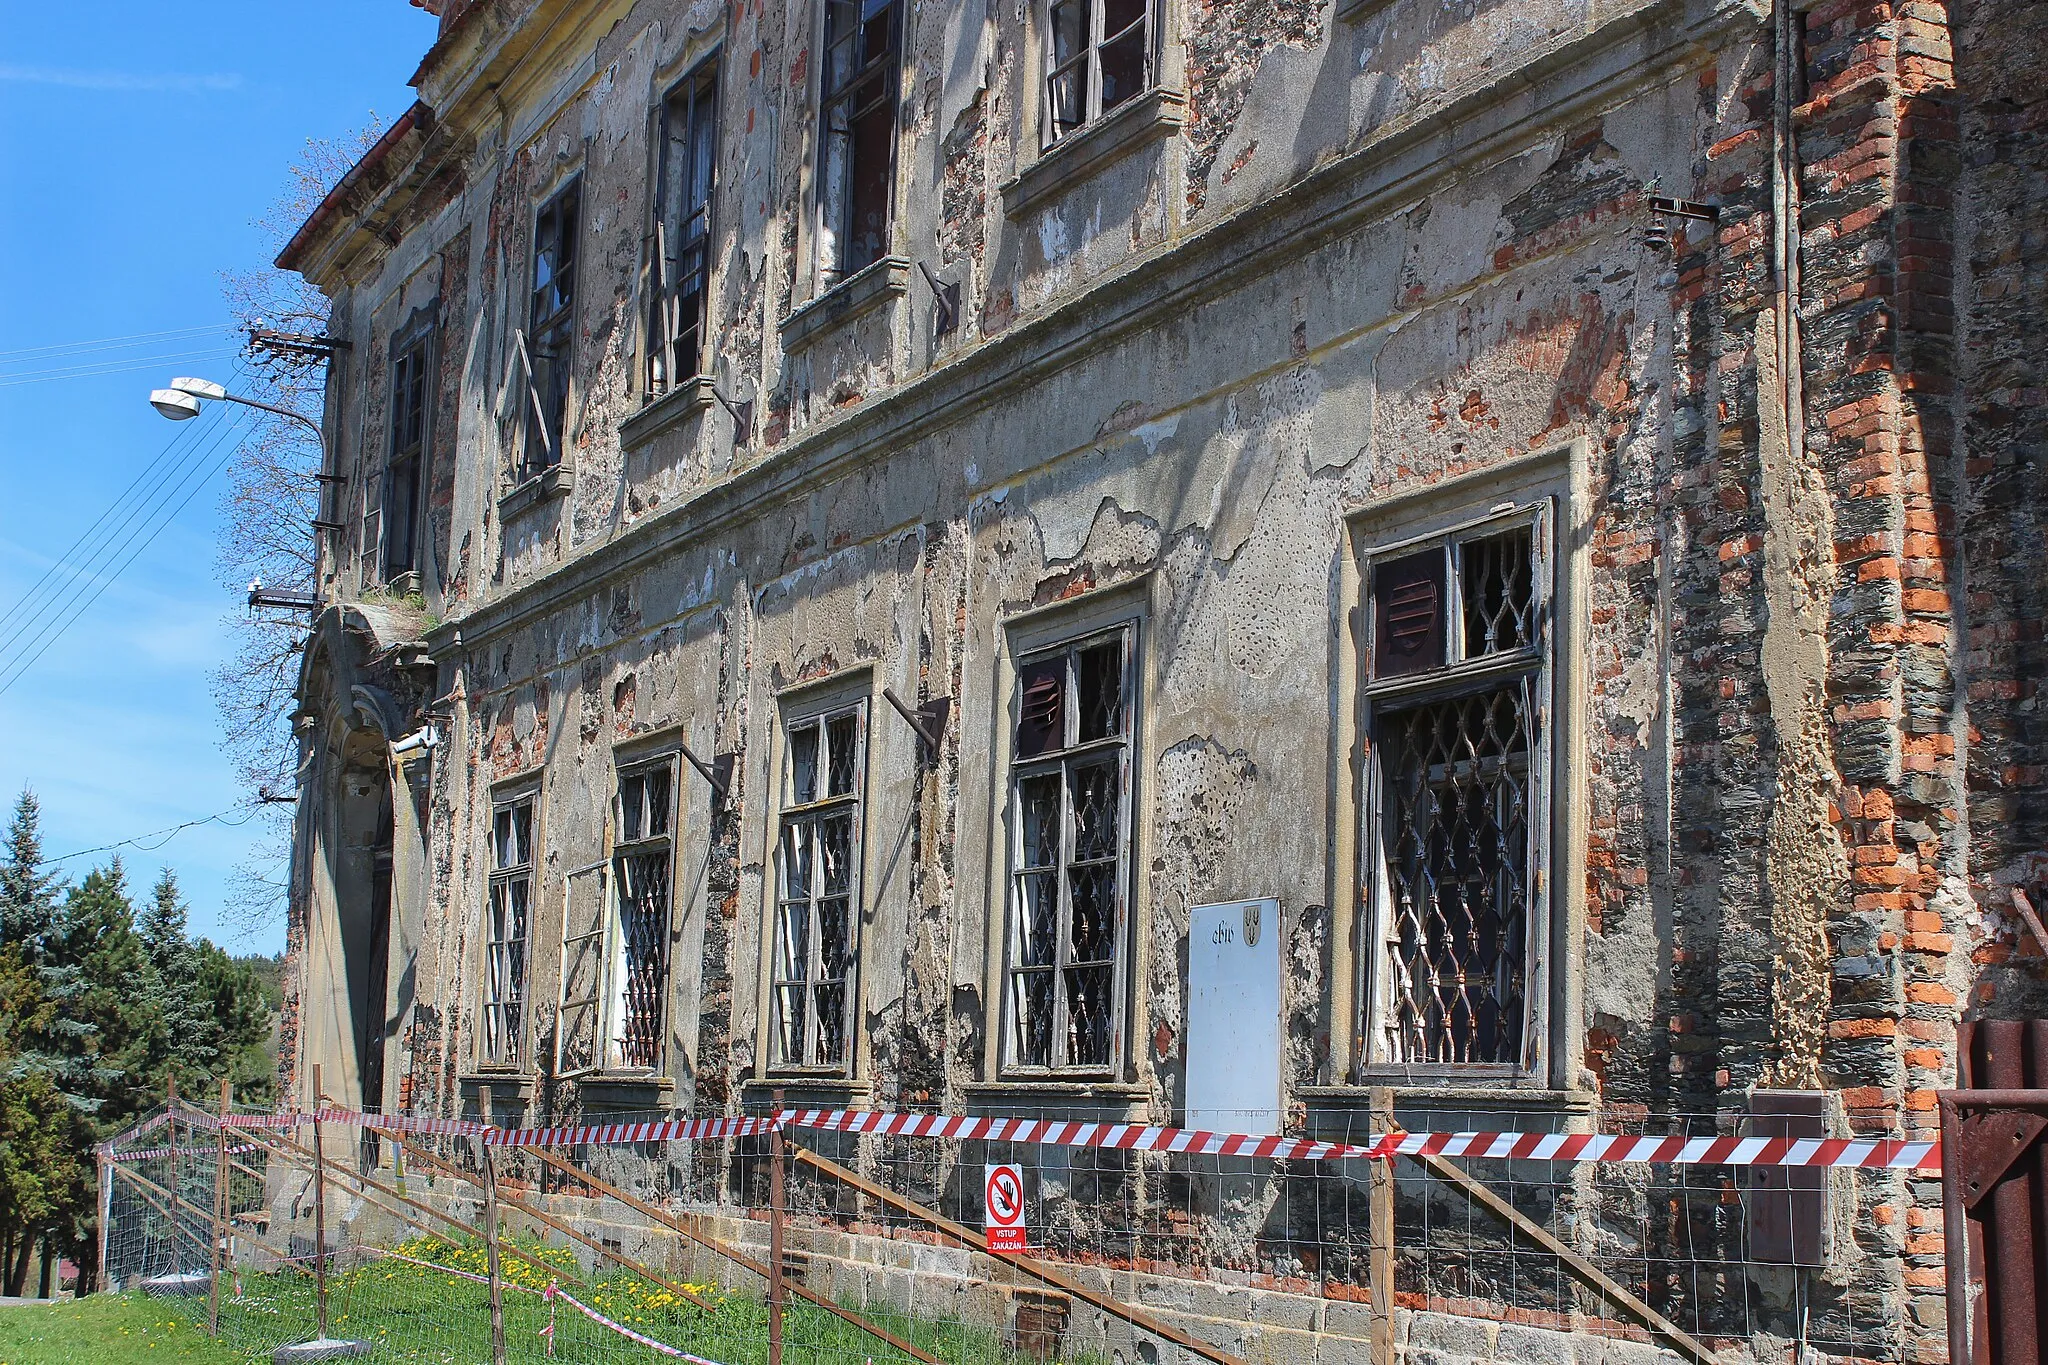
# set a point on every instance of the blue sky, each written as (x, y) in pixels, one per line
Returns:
(138, 142)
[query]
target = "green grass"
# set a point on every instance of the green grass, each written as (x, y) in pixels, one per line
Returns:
(108, 1329)
(415, 1314)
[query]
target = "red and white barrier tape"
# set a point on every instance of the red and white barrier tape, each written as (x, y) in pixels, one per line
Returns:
(1867, 1153)
(151, 1153)
(555, 1291)
(1859, 1153)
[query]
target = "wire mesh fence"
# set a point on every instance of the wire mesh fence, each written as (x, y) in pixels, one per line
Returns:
(805, 1243)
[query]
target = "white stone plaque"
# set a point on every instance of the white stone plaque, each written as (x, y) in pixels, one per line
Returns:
(1233, 1024)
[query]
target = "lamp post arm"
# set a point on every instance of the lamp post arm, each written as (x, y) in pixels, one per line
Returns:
(299, 417)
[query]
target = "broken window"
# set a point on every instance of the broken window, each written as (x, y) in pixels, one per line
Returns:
(510, 915)
(550, 339)
(688, 152)
(1456, 703)
(403, 470)
(642, 859)
(858, 145)
(817, 899)
(1098, 54)
(1070, 847)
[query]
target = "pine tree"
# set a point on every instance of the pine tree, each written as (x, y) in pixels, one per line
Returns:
(181, 1047)
(28, 895)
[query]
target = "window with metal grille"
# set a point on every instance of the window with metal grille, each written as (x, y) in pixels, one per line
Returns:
(1098, 54)
(549, 343)
(858, 90)
(404, 468)
(505, 935)
(1456, 703)
(817, 900)
(1069, 853)
(688, 156)
(642, 859)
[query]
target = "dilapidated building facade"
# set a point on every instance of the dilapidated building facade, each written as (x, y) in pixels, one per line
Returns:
(849, 518)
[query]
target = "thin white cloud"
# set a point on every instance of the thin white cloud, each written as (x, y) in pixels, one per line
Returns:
(74, 79)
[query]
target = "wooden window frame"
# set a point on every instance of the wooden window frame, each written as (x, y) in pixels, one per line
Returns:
(819, 712)
(667, 364)
(1088, 60)
(832, 260)
(494, 1050)
(1458, 675)
(1070, 754)
(547, 409)
(413, 355)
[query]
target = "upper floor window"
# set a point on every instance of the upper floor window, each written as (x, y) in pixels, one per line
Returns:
(1070, 853)
(404, 469)
(550, 339)
(643, 860)
(1456, 702)
(1098, 55)
(858, 108)
(682, 228)
(509, 912)
(818, 892)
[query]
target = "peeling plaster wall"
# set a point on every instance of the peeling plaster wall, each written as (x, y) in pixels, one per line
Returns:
(1386, 255)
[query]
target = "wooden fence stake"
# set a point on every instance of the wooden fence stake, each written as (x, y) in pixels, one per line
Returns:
(319, 1214)
(1380, 1221)
(220, 1214)
(776, 1297)
(483, 1156)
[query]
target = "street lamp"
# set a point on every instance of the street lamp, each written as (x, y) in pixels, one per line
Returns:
(181, 400)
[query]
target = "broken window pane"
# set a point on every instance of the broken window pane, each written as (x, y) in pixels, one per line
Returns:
(1408, 626)
(818, 915)
(402, 472)
(550, 334)
(1098, 56)
(859, 142)
(508, 911)
(1498, 582)
(682, 235)
(1070, 856)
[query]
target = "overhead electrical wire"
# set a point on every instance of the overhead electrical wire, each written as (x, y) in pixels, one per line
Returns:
(162, 836)
(67, 566)
(147, 523)
(97, 368)
(107, 342)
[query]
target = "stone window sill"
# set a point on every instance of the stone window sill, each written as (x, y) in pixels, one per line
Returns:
(1331, 1102)
(609, 1092)
(1055, 1090)
(503, 1084)
(688, 398)
(1153, 115)
(1352, 11)
(556, 481)
(810, 1091)
(862, 291)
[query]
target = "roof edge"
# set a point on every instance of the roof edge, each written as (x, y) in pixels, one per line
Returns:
(295, 251)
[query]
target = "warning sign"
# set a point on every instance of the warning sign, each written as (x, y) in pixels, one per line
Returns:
(1003, 1195)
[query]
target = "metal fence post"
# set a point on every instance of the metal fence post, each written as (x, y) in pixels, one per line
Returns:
(319, 1216)
(1380, 1221)
(220, 1214)
(775, 1288)
(483, 1153)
